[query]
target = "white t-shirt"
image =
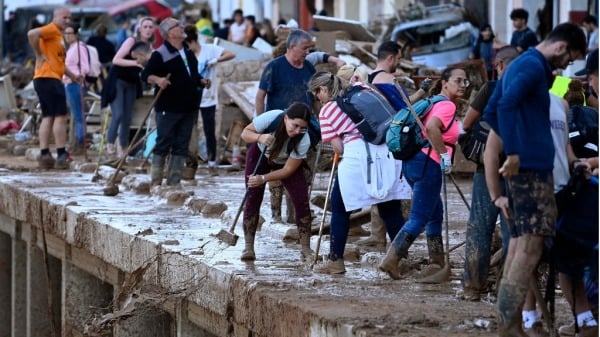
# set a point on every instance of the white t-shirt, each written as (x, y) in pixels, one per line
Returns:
(209, 52)
(262, 122)
(238, 32)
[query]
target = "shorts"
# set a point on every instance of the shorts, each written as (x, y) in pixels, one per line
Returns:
(531, 203)
(571, 258)
(53, 99)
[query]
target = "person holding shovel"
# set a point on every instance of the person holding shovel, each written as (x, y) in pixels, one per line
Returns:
(351, 190)
(283, 150)
(424, 173)
(77, 62)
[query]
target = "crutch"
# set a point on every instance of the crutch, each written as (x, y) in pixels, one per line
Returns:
(336, 159)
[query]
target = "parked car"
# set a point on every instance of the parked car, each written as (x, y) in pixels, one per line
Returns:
(130, 9)
(30, 17)
(440, 37)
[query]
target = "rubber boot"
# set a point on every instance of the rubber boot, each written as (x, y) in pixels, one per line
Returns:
(306, 253)
(191, 165)
(378, 233)
(437, 261)
(291, 212)
(175, 168)
(276, 190)
(156, 170)
(250, 224)
(511, 297)
(398, 249)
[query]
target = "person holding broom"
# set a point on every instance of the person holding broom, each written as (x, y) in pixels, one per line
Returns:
(278, 142)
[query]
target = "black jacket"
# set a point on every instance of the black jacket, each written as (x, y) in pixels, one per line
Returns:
(185, 91)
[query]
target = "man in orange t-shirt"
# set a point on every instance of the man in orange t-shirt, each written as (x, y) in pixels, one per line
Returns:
(47, 43)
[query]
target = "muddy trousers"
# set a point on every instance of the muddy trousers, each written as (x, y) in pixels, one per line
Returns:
(389, 211)
(295, 185)
(524, 253)
(480, 230)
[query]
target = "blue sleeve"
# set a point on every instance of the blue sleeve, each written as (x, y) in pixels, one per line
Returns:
(392, 94)
(516, 84)
(266, 78)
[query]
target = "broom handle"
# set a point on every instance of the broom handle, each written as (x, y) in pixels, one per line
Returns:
(336, 158)
(239, 211)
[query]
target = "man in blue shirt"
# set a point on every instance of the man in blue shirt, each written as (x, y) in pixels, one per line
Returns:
(522, 37)
(521, 104)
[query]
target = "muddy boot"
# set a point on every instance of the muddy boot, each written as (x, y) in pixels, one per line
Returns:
(156, 170)
(398, 249)
(378, 233)
(175, 168)
(330, 267)
(276, 190)
(306, 254)
(191, 165)
(510, 302)
(248, 252)
(435, 246)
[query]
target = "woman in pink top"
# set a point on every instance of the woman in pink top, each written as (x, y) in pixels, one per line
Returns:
(77, 61)
(424, 174)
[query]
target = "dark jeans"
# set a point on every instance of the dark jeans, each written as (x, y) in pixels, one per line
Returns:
(208, 124)
(296, 186)
(389, 211)
(173, 132)
(480, 229)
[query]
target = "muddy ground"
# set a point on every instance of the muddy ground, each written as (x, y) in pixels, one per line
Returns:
(389, 308)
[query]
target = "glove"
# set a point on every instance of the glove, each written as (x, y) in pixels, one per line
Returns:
(212, 62)
(446, 162)
(426, 84)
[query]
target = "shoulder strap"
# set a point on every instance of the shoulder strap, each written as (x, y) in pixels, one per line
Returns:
(273, 126)
(372, 75)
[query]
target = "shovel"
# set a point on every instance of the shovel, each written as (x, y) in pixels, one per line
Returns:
(336, 158)
(229, 237)
(22, 135)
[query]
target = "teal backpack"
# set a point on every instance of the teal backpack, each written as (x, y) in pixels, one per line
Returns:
(403, 137)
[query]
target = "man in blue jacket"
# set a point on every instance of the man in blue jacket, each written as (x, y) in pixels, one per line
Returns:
(522, 104)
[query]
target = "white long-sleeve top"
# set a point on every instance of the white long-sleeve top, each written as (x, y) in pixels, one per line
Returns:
(73, 62)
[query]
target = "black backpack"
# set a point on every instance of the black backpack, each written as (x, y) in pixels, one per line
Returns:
(369, 110)
(583, 131)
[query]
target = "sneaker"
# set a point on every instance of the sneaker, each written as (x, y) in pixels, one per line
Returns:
(330, 267)
(63, 161)
(213, 171)
(536, 330)
(46, 162)
(567, 330)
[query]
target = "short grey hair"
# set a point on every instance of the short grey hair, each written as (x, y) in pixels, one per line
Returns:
(164, 26)
(296, 37)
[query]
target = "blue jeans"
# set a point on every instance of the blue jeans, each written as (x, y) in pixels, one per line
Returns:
(173, 132)
(425, 178)
(480, 229)
(208, 124)
(122, 111)
(389, 211)
(74, 97)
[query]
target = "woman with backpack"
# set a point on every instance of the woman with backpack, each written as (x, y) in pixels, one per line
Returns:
(279, 141)
(127, 86)
(352, 190)
(77, 61)
(424, 174)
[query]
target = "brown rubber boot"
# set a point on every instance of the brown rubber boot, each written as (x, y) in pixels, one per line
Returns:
(306, 253)
(248, 252)
(156, 170)
(276, 190)
(510, 303)
(378, 233)
(437, 261)
(398, 249)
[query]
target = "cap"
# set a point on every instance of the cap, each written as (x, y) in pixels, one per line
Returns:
(591, 64)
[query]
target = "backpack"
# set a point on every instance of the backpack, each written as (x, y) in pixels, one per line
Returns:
(583, 131)
(404, 137)
(314, 130)
(369, 110)
(95, 65)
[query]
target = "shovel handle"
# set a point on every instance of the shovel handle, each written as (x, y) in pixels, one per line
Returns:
(336, 159)
(239, 211)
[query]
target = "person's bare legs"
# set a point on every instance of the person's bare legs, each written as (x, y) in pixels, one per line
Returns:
(44, 132)
(59, 129)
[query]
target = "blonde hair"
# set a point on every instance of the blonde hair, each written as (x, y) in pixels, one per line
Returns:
(352, 74)
(334, 84)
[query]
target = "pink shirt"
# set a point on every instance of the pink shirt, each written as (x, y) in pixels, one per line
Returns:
(336, 123)
(445, 111)
(72, 61)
